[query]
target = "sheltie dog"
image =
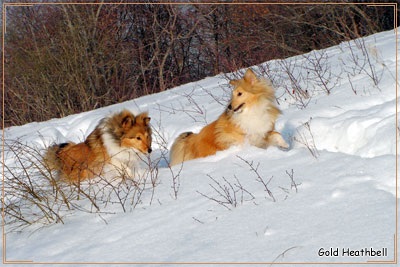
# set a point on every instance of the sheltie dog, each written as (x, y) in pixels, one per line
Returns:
(250, 117)
(114, 145)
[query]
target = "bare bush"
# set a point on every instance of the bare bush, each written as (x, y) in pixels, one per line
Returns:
(228, 194)
(319, 71)
(35, 195)
(282, 255)
(176, 182)
(293, 184)
(254, 169)
(32, 192)
(361, 62)
(295, 88)
(231, 194)
(305, 137)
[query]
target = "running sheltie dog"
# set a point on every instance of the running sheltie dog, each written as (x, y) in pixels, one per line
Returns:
(114, 145)
(250, 117)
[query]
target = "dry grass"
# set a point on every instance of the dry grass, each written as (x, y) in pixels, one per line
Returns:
(34, 195)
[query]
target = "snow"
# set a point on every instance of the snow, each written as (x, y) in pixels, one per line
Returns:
(334, 188)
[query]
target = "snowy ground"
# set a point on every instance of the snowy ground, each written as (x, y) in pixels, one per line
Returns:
(334, 189)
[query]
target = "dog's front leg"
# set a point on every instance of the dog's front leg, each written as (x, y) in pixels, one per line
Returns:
(275, 139)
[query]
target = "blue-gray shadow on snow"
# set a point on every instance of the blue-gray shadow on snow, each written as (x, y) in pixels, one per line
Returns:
(288, 132)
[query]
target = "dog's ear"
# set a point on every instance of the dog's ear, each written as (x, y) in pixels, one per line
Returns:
(250, 77)
(127, 121)
(146, 121)
(142, 119)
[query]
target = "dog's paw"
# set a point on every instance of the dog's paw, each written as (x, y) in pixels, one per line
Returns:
(276, 139)
(284, 145)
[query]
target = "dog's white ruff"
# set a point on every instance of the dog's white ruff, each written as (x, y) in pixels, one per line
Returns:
(123, 160)
(255, 121)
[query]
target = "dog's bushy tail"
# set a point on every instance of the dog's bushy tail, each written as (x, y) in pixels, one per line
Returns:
(51, 159)
(177, 154)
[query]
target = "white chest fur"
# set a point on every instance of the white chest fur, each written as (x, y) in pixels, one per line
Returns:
(123, 159)
(255, 121)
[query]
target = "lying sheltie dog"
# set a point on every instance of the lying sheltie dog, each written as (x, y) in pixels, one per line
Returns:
(250, 117)
(114, 145)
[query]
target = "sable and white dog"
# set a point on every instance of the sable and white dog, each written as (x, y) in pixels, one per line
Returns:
(250, 117)
(116, 144)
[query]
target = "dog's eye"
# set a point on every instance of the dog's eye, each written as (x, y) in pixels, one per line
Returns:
(138, 138)
(239, 94)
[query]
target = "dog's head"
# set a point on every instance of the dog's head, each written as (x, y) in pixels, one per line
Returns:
(135, 131)
(248, 91)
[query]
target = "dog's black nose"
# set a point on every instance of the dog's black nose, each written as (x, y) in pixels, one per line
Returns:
(230, 107)
(149, 150)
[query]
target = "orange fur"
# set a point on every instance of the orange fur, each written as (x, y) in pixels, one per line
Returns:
(250, 117)
(115, 143)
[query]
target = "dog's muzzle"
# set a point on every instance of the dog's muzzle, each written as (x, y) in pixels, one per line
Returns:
(236, 109)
